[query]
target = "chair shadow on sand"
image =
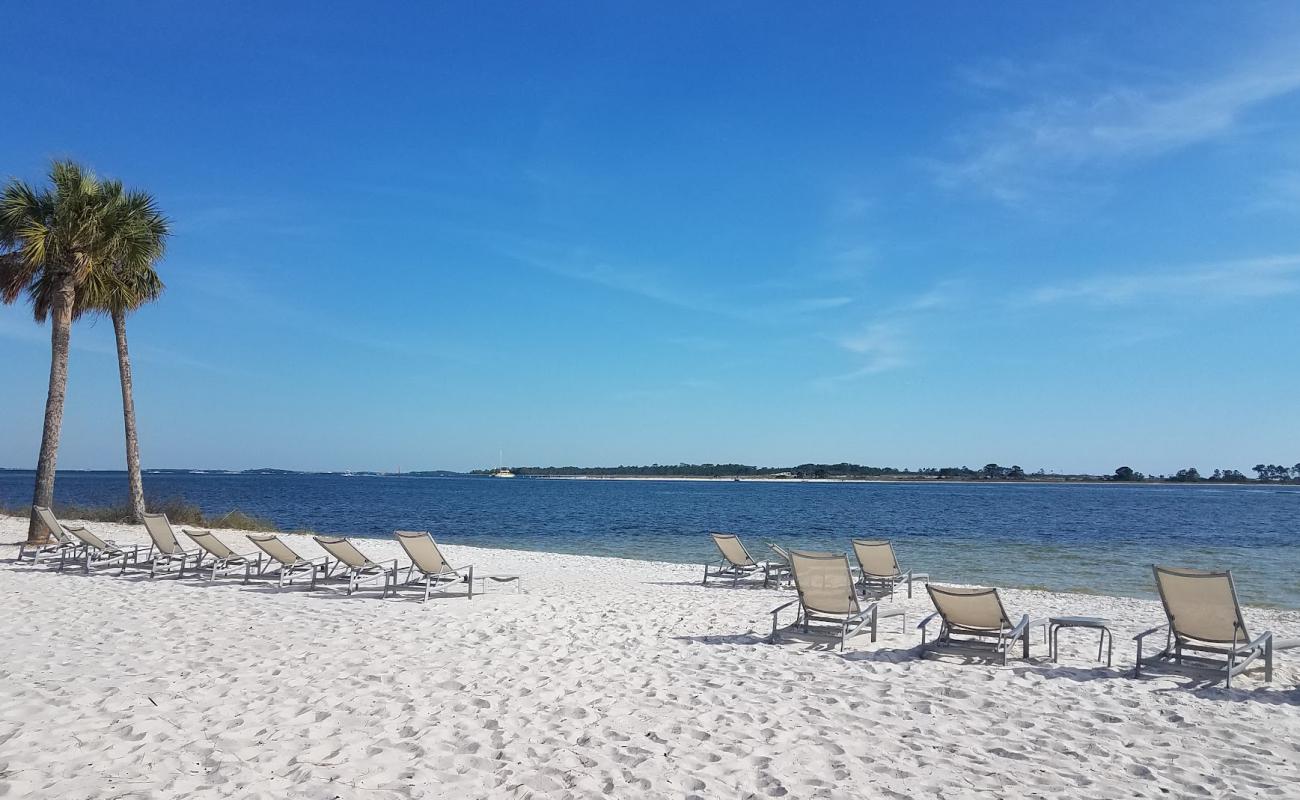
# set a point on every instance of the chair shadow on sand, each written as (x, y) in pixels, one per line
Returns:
(326, 588)
(827, 641)
(726, 587)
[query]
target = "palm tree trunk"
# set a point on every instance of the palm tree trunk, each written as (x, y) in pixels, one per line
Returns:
(60, 333)
(128, 417)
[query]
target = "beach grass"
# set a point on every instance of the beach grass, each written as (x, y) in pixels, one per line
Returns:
(178, 510)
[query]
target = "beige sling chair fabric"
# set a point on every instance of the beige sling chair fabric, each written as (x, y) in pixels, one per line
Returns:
(428, 561)
(61, 540)
(828, 593)
(977, 615)
(92, 551)
(735, 562)
(166, 551)
(356, 565)
(878, 568)
(223, 558)
(284, 563)
(1205, 631)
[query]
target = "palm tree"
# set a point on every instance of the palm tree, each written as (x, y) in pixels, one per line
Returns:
(52, 240)
(119, 288)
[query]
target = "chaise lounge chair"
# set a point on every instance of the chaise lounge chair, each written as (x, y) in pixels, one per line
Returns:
(166, 550)
(878, 568)
(979, 615)
(287, 562)
(780, 568)
(62, 539)
(1206, 634)
(428, 561)
(223, 558)
(827, 593)
(736, 562)
(96, 552)
(357, 566)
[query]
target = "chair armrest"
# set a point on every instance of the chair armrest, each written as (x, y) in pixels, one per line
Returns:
(866, 611)
(775, 613)
(1022, 627)
(1258, 641)
(1150, 631)
(921, 625)
(783, 606)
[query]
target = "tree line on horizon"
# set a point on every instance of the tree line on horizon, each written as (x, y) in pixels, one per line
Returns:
(1265, 473)
(80, 246)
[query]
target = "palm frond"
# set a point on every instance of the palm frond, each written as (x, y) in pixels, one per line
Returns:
(103, 237)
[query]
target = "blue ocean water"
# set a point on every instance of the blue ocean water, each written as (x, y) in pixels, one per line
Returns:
(1079, 537)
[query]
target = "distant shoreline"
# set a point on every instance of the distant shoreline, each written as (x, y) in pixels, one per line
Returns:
(1030, 479)
(1036, 481)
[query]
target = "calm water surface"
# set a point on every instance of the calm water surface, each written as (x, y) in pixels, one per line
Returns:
(1092, 538)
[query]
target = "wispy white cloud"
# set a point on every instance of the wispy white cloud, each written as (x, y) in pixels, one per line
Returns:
(1017, 151)
(1228, 280)
(740, 303)
(880, 347)
(886, 343)
(944, 294)
(1279, 192)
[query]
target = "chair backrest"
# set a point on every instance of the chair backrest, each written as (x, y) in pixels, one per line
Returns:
(343, 550)
(976, 609)
(1201, 605)
(91, 540)
(270, 544)
(423, 552)
(52, 524)
(824, 582)
(876, 557)
(732, 550)
(160, 531)
(208, 541)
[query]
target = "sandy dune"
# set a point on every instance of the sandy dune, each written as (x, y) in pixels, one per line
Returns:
(606, 678)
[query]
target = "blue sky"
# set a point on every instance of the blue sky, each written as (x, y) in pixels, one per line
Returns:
(409, 237)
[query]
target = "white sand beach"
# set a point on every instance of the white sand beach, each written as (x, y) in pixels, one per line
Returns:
(605, 678)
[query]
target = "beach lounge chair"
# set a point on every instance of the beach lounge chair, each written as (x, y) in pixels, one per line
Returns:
(878, 568)
(356, 565)
(428, 561)
(779, 569)
(285, 562)
(736, 562)
(1206, 634)
(93, 551)
(979, 616)
(827, 593)
(166, 551)
(223, 558)
(62, 540)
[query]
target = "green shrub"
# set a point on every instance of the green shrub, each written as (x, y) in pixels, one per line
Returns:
(177, 509)
(240, 521)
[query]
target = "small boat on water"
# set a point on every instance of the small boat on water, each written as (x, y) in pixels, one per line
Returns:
(502, 472)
